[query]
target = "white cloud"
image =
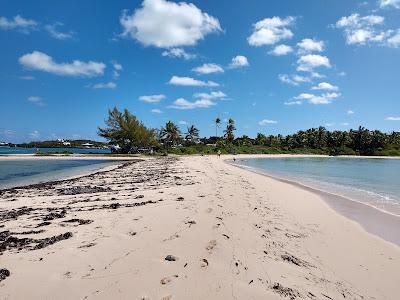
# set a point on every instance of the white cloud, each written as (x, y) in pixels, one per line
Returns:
(156, 111)
(350, 112)
(281, 50)
(325, 86)
(35, 134)
(27, 78)
(42, 62)
(152, 98)
(107, 85)
(345, 124)
(36, 100)
(182, 103)
(212, 95)
(387, 3)
(311, 45)
(18, 23)
(329, 124)
(117, 69)
(208, 69)
(326, 98)
(178, 53)
(309, 62)
(167, 24)
(270, 31)
(239, 61)
(394, 40)
(266, 122)
(393, 119)
(182, 122)
(188, 81)
(293, 79)
(364, 30)
(52, 29)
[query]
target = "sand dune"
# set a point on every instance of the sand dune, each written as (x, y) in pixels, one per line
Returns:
(186, 228)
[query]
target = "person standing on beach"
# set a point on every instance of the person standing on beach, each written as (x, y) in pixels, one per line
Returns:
(219, 153)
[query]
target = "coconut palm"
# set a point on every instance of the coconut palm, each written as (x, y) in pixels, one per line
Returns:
(170, 134)
(192, 134)
(230, 128)
(217, 124)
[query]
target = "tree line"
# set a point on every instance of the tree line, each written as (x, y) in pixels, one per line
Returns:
(130, 134)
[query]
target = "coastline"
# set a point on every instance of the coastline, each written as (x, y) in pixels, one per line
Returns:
(374, 220)
(231, 234)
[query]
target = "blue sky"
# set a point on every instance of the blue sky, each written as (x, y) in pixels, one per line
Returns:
(273, 66)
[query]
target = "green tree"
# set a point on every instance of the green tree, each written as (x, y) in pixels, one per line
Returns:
(170, 134)
(229, 131)
(126, 131)
(217, 124)
(192, 134)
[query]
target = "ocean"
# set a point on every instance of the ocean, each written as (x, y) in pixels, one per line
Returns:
(17, 150)
(371, 181)
(21, 172)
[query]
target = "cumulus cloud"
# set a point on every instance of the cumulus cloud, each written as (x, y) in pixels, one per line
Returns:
(152, 98)
(189, 81)
(350, 112)
(35, 134)
(212, 95)
(19, 23)
(182, 103)
(293, 79)
(362, 30)
(36, 100)
(106, 85)
(182, 122)
(43, 62)
(178, 53)
(393, 119)
(167, 24)
(311, 45)
(208, 69)
(156, 111)
(309, 62)
(388, 3)
(394, 40)
(281, 50)
(117, 68)
(325, 86)
(326, 98)
(266, 122)
(55, 33)
(239, 61)
(270, 31)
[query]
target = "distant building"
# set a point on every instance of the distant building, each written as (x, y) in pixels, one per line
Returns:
(87, 145)
(3, 144)
(66, 143)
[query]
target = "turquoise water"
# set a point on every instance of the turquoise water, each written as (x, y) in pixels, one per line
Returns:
(18, 150)
(31, 171)
(372, 181)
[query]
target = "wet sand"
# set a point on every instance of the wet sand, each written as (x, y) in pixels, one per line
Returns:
(185, 228)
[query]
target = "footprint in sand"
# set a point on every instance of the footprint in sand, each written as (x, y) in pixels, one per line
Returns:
(168, 279)
(211, 245)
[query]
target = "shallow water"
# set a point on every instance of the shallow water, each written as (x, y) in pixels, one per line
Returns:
(375, 182)
(18, 150)
(31, 171)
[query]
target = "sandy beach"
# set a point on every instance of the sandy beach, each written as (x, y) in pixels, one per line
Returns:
(186, 228)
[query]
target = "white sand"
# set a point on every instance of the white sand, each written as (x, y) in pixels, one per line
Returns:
(236, 234)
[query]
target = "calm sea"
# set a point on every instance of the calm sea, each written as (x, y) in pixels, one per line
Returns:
(30, 171)
(18, 150)
(372, 181)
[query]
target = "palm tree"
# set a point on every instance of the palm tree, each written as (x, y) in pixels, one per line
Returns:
(192, 134)
(217, 123)
(170, 133)
(230, 128)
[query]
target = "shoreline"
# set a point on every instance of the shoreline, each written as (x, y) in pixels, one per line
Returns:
(373, 219)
